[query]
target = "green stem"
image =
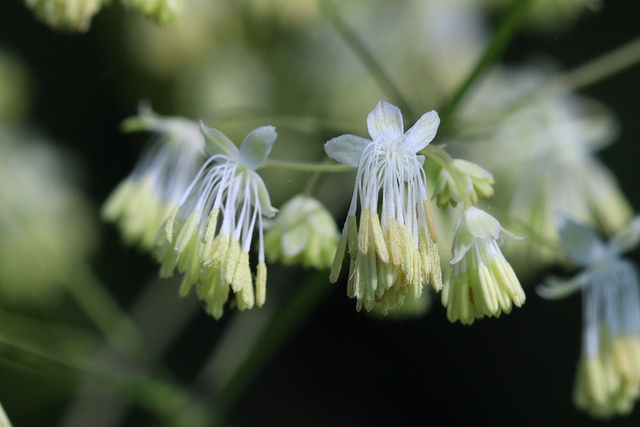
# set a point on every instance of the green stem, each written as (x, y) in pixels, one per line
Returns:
(601, 67)
(499, 42)
(305, 167)
(105, 312)
(443, 159)
(361, 51)
(286, 320)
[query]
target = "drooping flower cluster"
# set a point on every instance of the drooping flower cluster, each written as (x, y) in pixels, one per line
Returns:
(304, 233)
(479, 281)
(608, 373)
(208, 235)
(141, 203)
(475, 183)
(392, 248)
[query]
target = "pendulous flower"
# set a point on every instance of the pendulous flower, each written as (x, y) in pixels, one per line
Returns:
(479, 281)
(608, 373)
(208, 235)
(392, 248)
(141, 203)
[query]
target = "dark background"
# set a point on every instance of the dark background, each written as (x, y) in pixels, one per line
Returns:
(341, 367)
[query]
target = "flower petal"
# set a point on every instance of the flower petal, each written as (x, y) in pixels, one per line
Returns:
(579, 241)
(422, 133)
(346, 149)
(627, 238)
(556, 288)
(257, 145)
(217, 143)
(263, 195)
(385, 122)
(481, 224)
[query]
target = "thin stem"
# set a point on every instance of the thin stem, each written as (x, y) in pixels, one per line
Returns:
(435, 154)
(601, 67)
(361, 51)
(105, 312)
(499, 42)
(286, 320)
(305, 167)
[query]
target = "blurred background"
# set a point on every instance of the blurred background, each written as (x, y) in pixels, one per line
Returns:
(238, 65)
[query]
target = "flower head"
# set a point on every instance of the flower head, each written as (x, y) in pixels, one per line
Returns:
(209, 234)
(479, 281)
(142, 202)
(304, 233)
(393, 248)
(608, 374)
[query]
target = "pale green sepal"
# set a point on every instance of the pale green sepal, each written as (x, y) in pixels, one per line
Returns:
(217, 143)
(580, 242)
(347, 149)
(145, 119)
(627, 238)
(422, 133)
(263, 196)
(385, 121)
(295, 239)
(257, 145)
(481, 224)
(556, 288)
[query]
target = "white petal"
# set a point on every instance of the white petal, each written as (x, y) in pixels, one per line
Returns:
(217, 143)
(263, 196)
(422, 133)
(257, 145)
(555, 288)
(627, 238)
(580, 242)
(385, 122)
(346, 149)
(481, 224)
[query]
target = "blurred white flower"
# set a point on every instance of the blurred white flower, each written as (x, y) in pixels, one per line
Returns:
(141, 203)
(540, 149)
(161, 11)
(47, 226)
(393, 250)
(608, 374)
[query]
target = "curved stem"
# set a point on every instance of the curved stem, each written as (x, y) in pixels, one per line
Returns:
(601, 67)
(305, 167)
(500, 40)
(358, 47)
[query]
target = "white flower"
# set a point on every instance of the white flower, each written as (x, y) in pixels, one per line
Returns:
(214, 254)
(304, 233)
(393, 249)
(476, 183)
(142, 202)
(479, 281)
(608, 375)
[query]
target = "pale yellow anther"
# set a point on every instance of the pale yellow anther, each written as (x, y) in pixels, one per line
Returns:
(118, 201)
(242, 272)
(210, 227)
(189, 257)
(436, 269)
(217, 255)
(168, 228)
(363, 233)
(378, 238)
(488, 286)
(230, 264)
(430, 222)
(395, 243)
(338, 258)
(189, 228)
(261, 284)
(352, 229)
(168, 263)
